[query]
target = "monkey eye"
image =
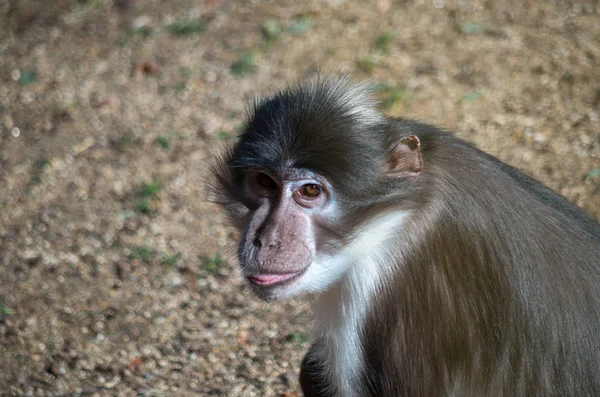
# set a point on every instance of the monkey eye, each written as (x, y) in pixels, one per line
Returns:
(265, 181)
(310, 191)
(263, 184)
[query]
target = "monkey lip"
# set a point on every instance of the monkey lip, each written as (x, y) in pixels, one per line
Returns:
(271, 279)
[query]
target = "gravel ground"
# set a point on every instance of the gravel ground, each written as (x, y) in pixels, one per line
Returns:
(116, 274)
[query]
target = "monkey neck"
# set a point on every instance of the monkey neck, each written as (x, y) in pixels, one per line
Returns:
(339, 314)
(340, 311)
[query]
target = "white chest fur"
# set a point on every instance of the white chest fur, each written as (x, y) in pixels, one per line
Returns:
(341, 310)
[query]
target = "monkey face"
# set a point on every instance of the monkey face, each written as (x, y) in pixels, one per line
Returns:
(295, 238)
(310, 169)
(286, 227)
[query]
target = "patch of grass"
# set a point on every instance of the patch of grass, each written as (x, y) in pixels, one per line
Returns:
(187, 27)
(42, 164)
(51, 346)
(147, 192)
(143, 253)
(142, 31)
(381, 46)
(297, 337)
(224, 135)
(471, 96)
(126, 214)
(125, 141)
(593, 173)
(84, 6)
(240, 128)
(271, 30)
(144, 205)
(301, 24)
(470, 27)
(384, 41)
(213, 263)
(170, 259)
(38, 169)
(390, 95)
(6, 311)
(163, 141)
(89, 3)
(150, 189)
(245, 65)
(366, 65)
(180, 86)
(186, 72)
(28, 77)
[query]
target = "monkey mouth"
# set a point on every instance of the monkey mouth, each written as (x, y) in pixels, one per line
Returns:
(271, 279)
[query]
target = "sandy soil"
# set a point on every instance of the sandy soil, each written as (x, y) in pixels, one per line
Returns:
(116, 274)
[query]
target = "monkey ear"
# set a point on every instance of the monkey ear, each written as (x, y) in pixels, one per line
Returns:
(405, 158)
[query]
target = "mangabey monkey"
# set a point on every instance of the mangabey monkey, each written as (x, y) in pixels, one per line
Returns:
(438, 270)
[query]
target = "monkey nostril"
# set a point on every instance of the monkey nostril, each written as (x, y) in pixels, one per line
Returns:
(257, 242)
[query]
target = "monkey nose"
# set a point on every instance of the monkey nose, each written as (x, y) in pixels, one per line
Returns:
(257, 243)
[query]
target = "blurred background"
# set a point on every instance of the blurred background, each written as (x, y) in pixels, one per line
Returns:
(116, 274)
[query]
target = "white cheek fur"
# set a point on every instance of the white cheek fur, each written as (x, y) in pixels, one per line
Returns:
(348, 281)
(327, 269)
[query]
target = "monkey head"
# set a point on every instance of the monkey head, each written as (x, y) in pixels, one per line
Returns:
(311, 165)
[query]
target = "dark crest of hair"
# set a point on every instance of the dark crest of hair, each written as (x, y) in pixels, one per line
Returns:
(329, 126)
